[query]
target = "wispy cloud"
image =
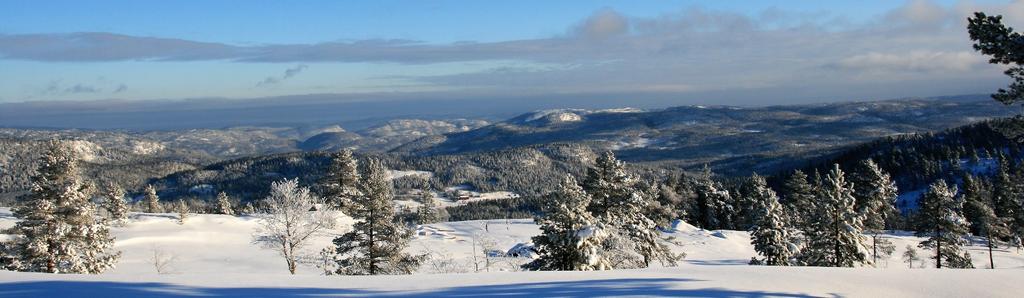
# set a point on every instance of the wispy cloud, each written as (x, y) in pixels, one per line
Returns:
(288, 73)
(691, 50)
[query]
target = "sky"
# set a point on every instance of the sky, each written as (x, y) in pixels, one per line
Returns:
(747, 52)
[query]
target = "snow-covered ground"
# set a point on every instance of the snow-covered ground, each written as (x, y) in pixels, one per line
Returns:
(214, 256)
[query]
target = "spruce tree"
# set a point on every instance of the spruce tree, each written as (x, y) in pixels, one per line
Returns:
(836, 239)
(875, 193)
(115, 204)
(571, 237)
(770, 233)
(941, 220)
(341, 182)
(376, 243)
(58, 231)
(224, 204)
(152, 200)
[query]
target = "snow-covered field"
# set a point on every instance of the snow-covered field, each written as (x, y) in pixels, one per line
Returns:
(214, 256)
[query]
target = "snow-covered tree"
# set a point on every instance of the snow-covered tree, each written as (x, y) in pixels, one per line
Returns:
(340, 183)
(571, 237)
(835, 239)
(629, 218)
(711, 209)
(376, 243)
(770, 233)
(224, 204)
(608, 184)
(876, 198)
(617, 200)
(59, 231)
(798, 198)
(181, 208)
(427, 213)
(991, 227)
(115, 204)
(291, 219)
(152, 200)
(941, 220)
(1006, 197)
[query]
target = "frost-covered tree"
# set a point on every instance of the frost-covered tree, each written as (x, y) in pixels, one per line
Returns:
(292, 218)
(152, 200)
(835, 239)
(941, 220)
(224, 204)
(427, 212)
(377, 240)
(58, 231)
(770, 233)
(571, 237)
(115, 204)
(876, 198)
(181, 208)
(340, 183)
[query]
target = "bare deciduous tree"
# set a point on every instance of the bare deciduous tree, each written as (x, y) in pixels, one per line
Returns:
(163, 261)
(293, 216)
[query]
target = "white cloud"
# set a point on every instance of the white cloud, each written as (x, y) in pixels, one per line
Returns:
(921, 61)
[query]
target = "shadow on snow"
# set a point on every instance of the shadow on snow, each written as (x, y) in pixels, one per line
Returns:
(588, 288)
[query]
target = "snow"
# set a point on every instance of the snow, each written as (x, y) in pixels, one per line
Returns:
(395, 174)
(215, 256)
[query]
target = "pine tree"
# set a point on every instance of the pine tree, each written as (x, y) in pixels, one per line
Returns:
(836, 240)
(910, 256)
(152, 200)
(976, 197)
(941, 220)
(617, 200)
(770, 232)
(115, 204)
(427, 212)
(875, 193)
(224, 204)
(711, 209)
(182, 209)
(376, 243)
(341, 182)
(991, 227)
(798, 203)
(608, 184)
(571, 237)
(58, 231)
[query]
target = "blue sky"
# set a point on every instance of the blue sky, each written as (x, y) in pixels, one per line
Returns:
(783, 51)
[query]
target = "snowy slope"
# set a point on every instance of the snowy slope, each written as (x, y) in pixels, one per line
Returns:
(215, 256)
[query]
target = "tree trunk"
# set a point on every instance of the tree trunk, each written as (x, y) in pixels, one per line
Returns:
(938, 248)
(874, 249)
(991, 263)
